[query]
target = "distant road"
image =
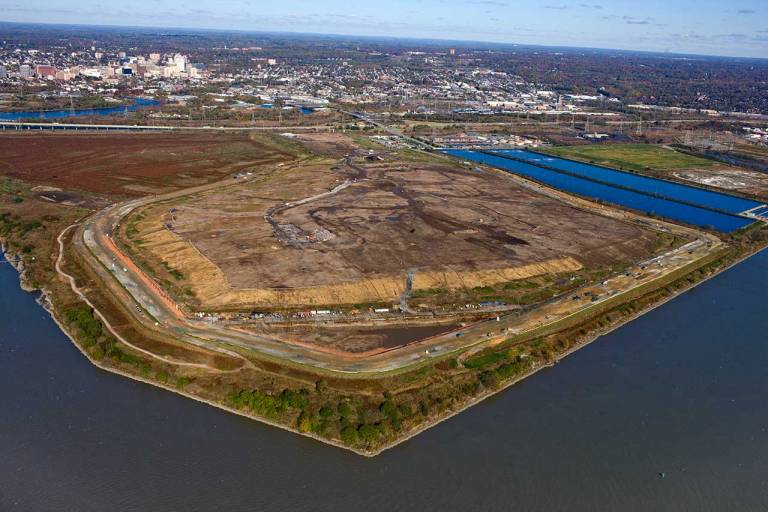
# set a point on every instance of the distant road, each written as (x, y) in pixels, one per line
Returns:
(388, 129)
(17, 126)
(43, 126)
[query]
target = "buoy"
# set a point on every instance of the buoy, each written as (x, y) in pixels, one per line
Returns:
(662, 474)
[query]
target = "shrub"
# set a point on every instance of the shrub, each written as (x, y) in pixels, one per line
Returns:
(349, 435)
(368, 432)
(489, 379)
(304, 422)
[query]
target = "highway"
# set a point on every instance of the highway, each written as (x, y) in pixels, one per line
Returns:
(397, 133)
(41, 126)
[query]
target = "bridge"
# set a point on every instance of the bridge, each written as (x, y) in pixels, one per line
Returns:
(42, 126)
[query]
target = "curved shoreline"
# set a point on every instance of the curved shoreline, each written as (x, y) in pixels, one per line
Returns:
(591, 338)
(106, 322)
(587, 339)
(45, 302)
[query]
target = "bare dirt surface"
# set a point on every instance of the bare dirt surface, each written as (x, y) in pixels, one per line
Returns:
(729, 178)
(129, 164)
(358, 339)
(329, 144)
(327, 233)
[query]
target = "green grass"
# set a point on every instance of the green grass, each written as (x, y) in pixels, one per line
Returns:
(521, 285)
(633, 157)
(13, 187)
(417, 156)
(484, 360)
(428, 292)
(366, 142)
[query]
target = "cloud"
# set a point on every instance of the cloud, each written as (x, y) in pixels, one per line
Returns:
(556, 7)
(24, 10)
(629, 20)
(746, 11)
(492, 3)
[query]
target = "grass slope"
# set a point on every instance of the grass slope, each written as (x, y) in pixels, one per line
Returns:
(634, 157)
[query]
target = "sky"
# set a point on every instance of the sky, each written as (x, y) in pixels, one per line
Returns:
(710, 27)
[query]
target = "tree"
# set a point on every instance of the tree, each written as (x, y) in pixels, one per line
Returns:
(349, 435)
(304, 422)
(368, 432)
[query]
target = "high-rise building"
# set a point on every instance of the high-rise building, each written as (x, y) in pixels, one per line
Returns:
(25, 71)
(3, 72)
(180, 62)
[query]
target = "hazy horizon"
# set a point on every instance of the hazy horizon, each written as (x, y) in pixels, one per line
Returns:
(703, 27)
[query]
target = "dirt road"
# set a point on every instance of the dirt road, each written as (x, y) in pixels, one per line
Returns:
(126, 282)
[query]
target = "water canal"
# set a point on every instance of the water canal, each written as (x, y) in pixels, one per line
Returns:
(678, 202)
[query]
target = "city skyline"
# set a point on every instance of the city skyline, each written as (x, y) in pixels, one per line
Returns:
(683, 26)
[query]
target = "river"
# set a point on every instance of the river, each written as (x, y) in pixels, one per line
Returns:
(137, 104)
(679, 392)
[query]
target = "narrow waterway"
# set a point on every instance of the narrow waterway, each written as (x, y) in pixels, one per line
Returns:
(621, 188)
(681, 391)
(692, 195)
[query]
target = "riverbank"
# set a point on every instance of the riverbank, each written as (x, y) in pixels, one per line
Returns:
(17, 263)
(645, 399)
(62, 113)
(45, 302)
(394, 407)
(590, 338)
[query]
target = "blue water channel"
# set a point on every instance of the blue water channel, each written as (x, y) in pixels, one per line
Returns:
(137, 104)
(663, 188)
(627, 196)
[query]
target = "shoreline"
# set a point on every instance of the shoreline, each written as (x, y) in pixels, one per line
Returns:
(45, 303)
(591, 338)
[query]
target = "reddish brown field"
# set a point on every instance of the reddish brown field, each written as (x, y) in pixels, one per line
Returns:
(130, 164)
